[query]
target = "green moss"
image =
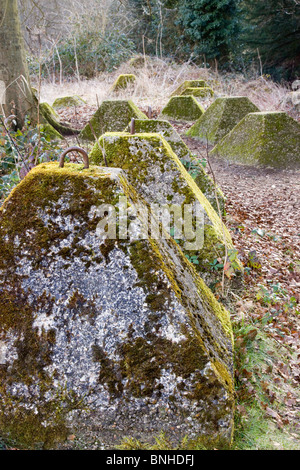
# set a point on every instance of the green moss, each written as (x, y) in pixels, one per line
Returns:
(50, 132)
(201, 92)
(142, 360)
(270, 139)
(167, 131)
(182, 108)
(190, 162)
(68, 101)
(188, 84)
(140, 155)
(123, 81)
(162, 272)
(37, 190)
(112, 116)
(221, 116)
(49, 116)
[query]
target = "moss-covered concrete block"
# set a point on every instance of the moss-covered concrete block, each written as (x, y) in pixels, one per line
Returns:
(123, 81)
(182, 108)
(103, 337)
(138, 61)
(51, 121)
(111, 116)
(159, 177)
(188, 84)
(221, 116)
(50, 132)
(190, 161)
(264, 138)
(68, 101)
(200, 92)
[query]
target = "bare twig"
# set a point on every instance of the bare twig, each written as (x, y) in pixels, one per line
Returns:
(97, 141)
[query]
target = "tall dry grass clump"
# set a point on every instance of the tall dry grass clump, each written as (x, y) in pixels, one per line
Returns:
(157, 79)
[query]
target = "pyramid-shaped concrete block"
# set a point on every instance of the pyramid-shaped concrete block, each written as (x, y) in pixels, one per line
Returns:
(221, 116)
(264, 138)
(200, 92)
(182, 108)
(190, 161)
(68, 101)
(103, 335)
(123, 81)
(112, 115)
(188, 84)
(159, 177)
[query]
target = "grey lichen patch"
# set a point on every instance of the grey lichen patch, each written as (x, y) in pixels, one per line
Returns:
(167, 131)
(190, 161)
(188, 84)
(68, 101)
(102, 337)
(264, 138)
(159, 177)
(221, 116)
(123, 81)
(182, 108)
(111, 116)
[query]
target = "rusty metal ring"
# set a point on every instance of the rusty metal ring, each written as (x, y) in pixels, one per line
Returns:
(74, 149)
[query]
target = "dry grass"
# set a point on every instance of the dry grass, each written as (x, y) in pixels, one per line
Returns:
(159, 78)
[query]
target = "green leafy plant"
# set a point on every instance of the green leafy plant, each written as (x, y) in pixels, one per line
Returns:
(193, 167)
(193, 259)
(20, 151)
(216, 264)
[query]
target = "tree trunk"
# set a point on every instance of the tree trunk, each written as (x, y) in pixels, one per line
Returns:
(15, 91)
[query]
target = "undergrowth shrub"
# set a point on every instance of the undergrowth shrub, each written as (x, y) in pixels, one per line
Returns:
(86, 53)
(20, 151)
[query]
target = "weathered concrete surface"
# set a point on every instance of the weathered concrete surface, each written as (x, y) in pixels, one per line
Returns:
(198, 92)
(221, 116)
(159, 177)
(103, 338)
(190, 161)
(68, 101)
(112, 115)
(182, 108)
(188, 84)
(266, 138)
